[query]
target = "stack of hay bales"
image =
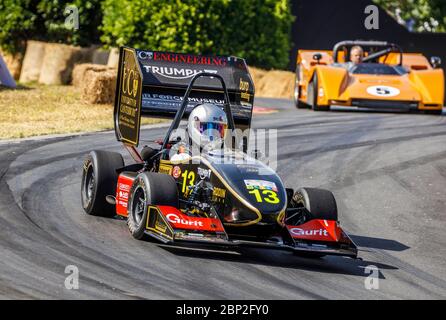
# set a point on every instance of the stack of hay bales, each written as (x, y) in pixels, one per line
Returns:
(96, 82)
(99, 87)
(58, 62)
(80, 70)
(274, 83)
(256, 75)
(53, 63)
(32, 62)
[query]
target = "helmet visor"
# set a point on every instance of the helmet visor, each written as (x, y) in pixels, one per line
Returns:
(212, 130)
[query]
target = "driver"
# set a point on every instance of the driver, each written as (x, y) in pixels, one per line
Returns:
(206, 128)
(356, 55)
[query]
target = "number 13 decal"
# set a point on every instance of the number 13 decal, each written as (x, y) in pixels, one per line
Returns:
(265, 195)
(188, 176)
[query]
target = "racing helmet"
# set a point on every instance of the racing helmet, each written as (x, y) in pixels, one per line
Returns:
(206, 126)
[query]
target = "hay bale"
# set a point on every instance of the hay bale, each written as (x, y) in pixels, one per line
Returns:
(99, 86)
(113, 58)
(79, 71)
(58, 63)
(32, 62)
(276, 84)
(256, 75)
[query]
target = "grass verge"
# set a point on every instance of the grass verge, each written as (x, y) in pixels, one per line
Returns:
(38, 109)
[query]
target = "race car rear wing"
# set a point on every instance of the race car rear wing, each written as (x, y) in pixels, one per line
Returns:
(153, 83)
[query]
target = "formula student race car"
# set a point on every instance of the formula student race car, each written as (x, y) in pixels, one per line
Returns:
(387, 79)
(222, 198)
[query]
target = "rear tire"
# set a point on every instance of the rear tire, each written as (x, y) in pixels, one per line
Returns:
(312, 94)
(99, 179)
(149, 188)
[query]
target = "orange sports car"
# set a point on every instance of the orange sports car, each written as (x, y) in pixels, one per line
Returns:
(385, 78)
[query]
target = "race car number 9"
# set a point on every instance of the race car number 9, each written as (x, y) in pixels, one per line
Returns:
(269, 196)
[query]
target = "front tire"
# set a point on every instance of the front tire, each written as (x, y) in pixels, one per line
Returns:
(312, 94)
(99, 180)
(320, 203)
(299, 104)
(149, 188)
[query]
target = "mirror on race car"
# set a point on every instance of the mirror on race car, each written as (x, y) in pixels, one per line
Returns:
(435, 62)
(317, 57)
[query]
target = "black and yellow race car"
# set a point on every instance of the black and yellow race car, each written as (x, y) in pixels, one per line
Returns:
(228, 199)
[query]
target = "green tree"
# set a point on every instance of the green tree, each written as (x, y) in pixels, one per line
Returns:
(258, 30)
(18, 23)
(426, 15)
(21, 20)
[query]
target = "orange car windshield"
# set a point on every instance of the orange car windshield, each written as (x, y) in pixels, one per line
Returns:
(378, 69)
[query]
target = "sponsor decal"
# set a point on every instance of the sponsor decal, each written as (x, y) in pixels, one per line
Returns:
(244, 87)
(160, 226)
(174, 218)
(204, 173)
(145, 55)
(176, 73)
(165, 169)
(182, 58)
(219, 192)
(261, 185)
(176, 172)
(123, 204)
(317, 230)
(248, 168)
(383, 91)
(178, 220)
(124, 187)
(168, 97)
(123, 195)
(302, 232)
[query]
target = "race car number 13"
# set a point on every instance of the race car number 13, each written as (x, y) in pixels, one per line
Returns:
(265, 195)
(188, 179)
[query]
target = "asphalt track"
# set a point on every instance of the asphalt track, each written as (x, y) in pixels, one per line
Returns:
(387, 171)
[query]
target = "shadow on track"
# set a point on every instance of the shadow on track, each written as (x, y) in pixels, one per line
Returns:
(379, 243)
(282, 259)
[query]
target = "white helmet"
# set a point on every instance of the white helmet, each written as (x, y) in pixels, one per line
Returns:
(206, 126)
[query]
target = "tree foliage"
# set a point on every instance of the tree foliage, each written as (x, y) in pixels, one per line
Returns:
(258, 30)
(418, 15)
(21, 20)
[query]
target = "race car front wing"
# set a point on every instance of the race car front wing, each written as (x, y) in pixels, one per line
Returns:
(170, 225)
